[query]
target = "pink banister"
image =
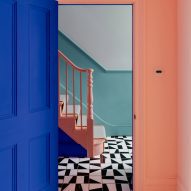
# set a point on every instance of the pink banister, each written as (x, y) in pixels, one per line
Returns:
(68, 61)
(87, 88)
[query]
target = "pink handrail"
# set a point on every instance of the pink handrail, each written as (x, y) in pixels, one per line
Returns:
(68, 61)
(89, 101)
(89, 73)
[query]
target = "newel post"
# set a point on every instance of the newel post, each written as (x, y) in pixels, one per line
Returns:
(90, 112)
(90, 94)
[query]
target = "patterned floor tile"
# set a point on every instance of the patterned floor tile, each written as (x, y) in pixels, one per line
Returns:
(63, 160)
(95, 179)
(108, 172)
(107, 161)
(115, 156)
(68, 187)
(119, 172)
(60, 182)
(82, 179)
(82, 187)
(95, 166)
(116, 160)
(84, 166)
(122, 187)
(111, 171)
(61, 174)
(94, 172)
(108, 180)
(95, 161)
(95, 187)
(129, 170)
(106, 166)
(84, 160)
(111, 147)
(118, 166)
(127, 166)
(114, 151)
(74, 160)
(126, 156)
(109, 187)
(121, 180)
(106, 151)
(72, 166)
(73, 172)
(62, 166)
(69, 179)
(106, 155)
(83, 172)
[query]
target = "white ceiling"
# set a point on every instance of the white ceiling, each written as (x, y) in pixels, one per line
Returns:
(104, 32)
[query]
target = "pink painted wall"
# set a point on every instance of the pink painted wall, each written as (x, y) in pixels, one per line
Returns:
(184, 95)
(160, 104)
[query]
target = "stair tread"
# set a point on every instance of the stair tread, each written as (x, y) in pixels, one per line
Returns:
(70, 109)
(80, 128)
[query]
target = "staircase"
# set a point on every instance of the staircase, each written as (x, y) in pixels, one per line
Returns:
(74, 120)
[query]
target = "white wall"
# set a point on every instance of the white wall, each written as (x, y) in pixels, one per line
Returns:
(104, 32)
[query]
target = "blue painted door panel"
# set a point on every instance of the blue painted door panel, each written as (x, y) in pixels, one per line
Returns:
(28, 95)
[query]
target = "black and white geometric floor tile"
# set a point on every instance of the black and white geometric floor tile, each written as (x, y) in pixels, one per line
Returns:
(112, 171)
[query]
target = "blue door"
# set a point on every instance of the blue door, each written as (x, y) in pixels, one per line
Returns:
(28, 95)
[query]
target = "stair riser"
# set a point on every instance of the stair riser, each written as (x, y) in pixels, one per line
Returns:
(68, 126)
(65, 123)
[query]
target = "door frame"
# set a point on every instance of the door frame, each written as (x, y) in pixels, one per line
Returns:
(138, 81)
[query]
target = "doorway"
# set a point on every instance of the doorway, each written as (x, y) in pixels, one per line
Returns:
(112, 169)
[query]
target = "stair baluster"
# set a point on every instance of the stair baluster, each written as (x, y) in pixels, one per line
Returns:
(69, 116)
(90, 112)
(66, 82)
(73, 89)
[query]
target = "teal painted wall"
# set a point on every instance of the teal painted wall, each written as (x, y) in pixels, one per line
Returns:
(112, 90)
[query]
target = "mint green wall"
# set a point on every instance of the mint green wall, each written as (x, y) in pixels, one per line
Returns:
(112, 90)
